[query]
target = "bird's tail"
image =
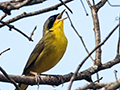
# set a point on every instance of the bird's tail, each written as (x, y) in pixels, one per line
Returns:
(22, 86)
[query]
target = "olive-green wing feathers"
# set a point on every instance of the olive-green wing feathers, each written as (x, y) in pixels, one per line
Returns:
(34, 55)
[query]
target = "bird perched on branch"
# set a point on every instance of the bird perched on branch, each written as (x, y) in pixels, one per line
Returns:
(49, 50)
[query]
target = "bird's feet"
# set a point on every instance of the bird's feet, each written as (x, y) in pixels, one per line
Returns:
(37, 77)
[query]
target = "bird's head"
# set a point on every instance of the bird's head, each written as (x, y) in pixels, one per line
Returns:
(53, 22)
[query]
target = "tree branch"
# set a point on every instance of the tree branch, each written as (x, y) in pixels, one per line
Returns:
(9, 78)
(113, 5)
(80, 37)
(14, 4)
(92, 85)
(4, 15)
(104, 86)
(100, 4)
(118, 46)
(97, 33)
(66, 78)
(80, 65)
(32, 33)
(84, 8)
(12, 27)
(23, 15)
(4, 51)
(112, 86)
(66, 6)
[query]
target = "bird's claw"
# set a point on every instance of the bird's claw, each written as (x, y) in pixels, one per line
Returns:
(37, 77)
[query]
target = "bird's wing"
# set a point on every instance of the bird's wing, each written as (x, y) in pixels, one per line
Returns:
(34, 55)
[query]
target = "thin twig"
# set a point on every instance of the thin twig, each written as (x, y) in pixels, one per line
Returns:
(115, 72)
(100, 4)
(118, 47)
(11, 80)
(32, 33)
(66, 6)
(97, 77)
(118, 51)
(12, 27)
(93, 2)
(4, 15)
(113, 5)
(78, 35)
(84, 7)
(89, 3)
(98, 80)
(80, 65)
(4, 51)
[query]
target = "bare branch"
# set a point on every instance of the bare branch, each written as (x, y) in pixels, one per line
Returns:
(12, 27)
(32, 33)
(89, 3)
(66, 6)
(115, 72)
(78, 35)
(97, 36)
(100, 4)
(110, 85)
(23, 3)
(66, 78)
(91, 85)
(118, 47)
(93, 2)
(9, 78)
(80, 65)
(14, 4)
(4, 15)
(84, 7)
(113, 5)
(55, 7)
(98, 79)
(4, 51)
(97, 32)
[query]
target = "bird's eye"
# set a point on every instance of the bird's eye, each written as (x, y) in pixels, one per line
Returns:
(51, 19)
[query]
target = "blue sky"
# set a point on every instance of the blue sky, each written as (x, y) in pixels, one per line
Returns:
(13, 61)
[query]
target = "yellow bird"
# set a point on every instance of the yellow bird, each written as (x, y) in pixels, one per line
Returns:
(49, 50)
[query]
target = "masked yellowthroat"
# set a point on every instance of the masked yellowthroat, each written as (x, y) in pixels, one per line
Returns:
(49, 50)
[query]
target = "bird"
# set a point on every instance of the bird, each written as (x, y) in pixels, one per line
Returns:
(49, 50)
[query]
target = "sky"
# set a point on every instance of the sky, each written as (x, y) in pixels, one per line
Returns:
(14, 60)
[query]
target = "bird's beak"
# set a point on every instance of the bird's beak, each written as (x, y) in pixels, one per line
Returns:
(60, 16)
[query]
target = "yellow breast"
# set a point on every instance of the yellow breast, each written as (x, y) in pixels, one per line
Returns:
(55, 47)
